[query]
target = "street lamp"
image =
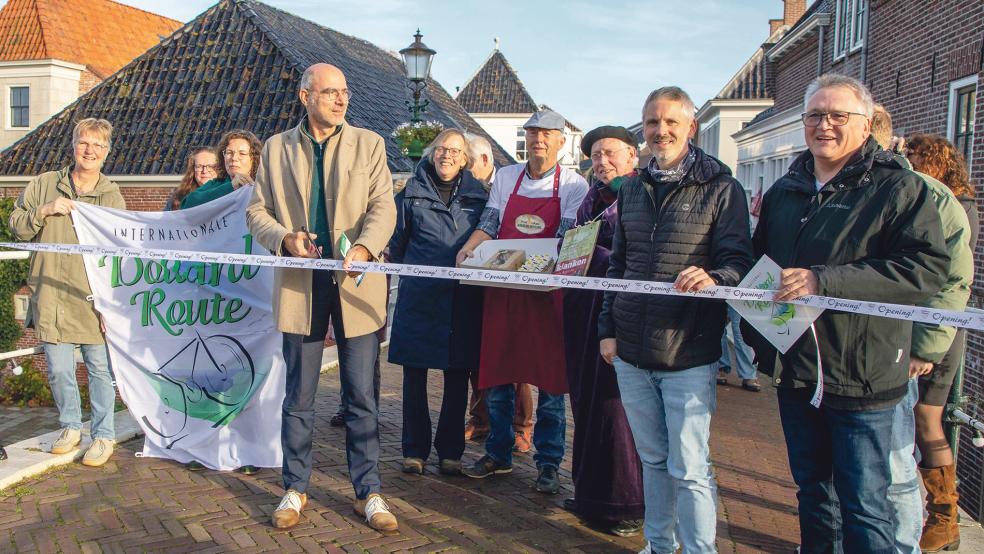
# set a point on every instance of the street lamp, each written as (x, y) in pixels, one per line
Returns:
(417, 59)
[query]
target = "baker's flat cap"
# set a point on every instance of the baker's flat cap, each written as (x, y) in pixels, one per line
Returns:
(546, 119)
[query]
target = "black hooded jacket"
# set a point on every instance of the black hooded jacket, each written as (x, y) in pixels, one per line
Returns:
(703, 222)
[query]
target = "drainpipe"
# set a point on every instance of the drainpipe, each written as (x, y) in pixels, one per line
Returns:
(822, 31)
(864, 45)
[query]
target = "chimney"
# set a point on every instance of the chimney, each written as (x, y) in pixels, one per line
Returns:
(793, 10)
(774, 25)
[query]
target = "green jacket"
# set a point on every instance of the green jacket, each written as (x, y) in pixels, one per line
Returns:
(59, 309)
(931, 342)
(216, 188)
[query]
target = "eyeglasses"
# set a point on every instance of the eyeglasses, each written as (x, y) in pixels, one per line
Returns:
(332, 94)
(453, 152)
(597, 156)
(234, 153)
(837, 119)
(97, 146)
(205, 167)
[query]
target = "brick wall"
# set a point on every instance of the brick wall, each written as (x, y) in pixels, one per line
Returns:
(908, 71)
(793, 72)
(87, 81)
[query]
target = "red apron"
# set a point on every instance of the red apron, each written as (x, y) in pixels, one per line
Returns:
(522, 331)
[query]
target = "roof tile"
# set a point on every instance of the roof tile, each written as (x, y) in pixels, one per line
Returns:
(496, 88)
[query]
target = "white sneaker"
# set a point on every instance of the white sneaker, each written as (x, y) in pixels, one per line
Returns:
(67, 440)
(98, 453)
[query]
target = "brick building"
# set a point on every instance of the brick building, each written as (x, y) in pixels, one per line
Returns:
(925, 63)
(52, 51)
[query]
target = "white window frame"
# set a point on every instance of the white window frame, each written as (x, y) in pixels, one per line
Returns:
(521, 136)
(853, 28)
(8, 116)
(951, 110)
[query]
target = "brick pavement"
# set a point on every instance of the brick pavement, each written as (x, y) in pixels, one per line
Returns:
(17, 424)
(136, 504)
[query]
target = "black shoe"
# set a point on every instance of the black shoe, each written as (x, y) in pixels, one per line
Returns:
(486, 467)
(450, 467)
(249, 470)
(548, 481)
(337, 420)
(194, 465)
(626, 528)
(3, 454)
(570, 505)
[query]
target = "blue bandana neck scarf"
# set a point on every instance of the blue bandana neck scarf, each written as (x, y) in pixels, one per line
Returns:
(674, 175)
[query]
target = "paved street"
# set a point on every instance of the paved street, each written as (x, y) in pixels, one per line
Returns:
(136, 504)
(17, 424)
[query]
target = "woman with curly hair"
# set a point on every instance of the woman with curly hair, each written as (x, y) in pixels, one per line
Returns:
(199, 169)
(240, 151)
(936, 157)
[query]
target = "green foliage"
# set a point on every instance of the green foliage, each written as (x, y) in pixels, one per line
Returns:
(29, 389)
(413, 137)
(13, 275)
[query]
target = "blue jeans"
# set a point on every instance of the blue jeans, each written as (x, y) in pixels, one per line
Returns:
(356, 360)
(548, 433)
(903, 493)
(65, 387)
(670, 416)
(743, 352)
(839, 461)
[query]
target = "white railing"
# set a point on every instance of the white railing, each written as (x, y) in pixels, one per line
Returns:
(14, 255)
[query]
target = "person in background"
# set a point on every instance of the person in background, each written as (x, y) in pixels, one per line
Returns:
(61, 311)
(848, 221)
(436, 322)
(200, 168)
(240, 151)
(930, 344)
(607, 473)
(481, 164)
(537, 199)
(935, 158)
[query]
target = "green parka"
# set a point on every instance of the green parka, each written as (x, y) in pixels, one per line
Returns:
(60, 311)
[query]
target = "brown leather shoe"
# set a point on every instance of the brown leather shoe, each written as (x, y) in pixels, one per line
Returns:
(377, 514)
(288, 513)
(941, 531)
(474, 433)
(524, 442)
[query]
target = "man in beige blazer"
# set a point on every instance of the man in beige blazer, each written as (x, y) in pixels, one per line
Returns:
(319, 185)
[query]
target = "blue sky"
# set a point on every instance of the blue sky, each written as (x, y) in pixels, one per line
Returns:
(593, 61)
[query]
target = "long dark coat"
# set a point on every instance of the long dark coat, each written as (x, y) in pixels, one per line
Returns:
(437, 323)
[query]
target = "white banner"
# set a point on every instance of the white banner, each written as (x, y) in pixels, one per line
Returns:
(193, 345)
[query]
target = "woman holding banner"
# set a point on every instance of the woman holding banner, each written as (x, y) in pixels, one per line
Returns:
(240, 151)
(437, 322)
(61, 313)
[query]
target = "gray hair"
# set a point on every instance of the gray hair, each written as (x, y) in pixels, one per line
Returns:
(831, 80)
(676, 94)
(478, 145)
(466, 151)
(306, 78)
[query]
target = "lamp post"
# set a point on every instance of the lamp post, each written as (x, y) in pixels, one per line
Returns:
(417, 59)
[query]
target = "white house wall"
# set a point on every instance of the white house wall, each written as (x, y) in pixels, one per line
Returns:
(765, 152)
(53, 84)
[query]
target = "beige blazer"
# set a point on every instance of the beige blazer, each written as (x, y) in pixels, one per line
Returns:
(359, 195)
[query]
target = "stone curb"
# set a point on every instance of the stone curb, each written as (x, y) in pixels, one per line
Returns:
(30, 457)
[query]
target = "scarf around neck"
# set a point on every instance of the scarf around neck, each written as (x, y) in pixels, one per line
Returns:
(673, 175)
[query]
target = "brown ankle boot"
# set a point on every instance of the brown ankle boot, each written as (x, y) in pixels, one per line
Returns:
(941, 531)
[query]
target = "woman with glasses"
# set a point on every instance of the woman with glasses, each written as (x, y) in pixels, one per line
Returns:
(199, 169)
(240, 151)
(437, 322)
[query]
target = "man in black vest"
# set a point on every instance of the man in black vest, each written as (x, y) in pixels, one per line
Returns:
(682, 219)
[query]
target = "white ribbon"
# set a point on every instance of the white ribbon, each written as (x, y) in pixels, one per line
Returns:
(969, 319)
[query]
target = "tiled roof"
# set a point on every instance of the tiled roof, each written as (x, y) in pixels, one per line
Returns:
(752, 81)
(496, 88)
(99, 34)
(238, 65)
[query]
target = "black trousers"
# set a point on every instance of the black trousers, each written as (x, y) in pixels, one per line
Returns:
(449, 441)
